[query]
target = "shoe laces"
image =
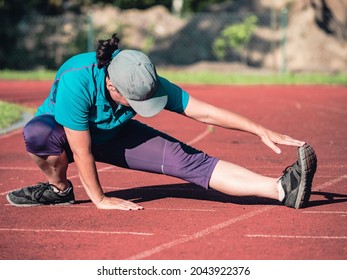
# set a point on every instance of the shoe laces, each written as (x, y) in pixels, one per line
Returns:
(38, 190)
(291, 173)
(286, 170)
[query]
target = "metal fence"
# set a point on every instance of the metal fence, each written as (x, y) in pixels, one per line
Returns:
(45, 42)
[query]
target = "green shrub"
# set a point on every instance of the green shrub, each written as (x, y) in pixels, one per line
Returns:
(234, 36)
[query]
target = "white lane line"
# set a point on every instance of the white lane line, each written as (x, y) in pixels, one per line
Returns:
(331, 109)
(165, 246)
(294, 236)
(19, 168)
(202, 135)
(181, 209)
(325, 212)
(103, 169)
(76, 231)
(199, 234)
(331, 182)
(91, 206)
(320, 187)
(37, 169)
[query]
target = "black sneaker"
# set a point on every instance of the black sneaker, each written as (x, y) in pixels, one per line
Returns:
(297, 179)
(41, 194)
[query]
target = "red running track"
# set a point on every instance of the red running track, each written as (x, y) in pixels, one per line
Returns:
(181, 221)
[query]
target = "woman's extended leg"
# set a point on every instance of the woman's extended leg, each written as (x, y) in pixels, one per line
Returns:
(293, 188)
(154, 151)
(235, 180)
(143, 148)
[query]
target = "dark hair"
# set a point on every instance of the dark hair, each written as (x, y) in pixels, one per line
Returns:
(105, 50)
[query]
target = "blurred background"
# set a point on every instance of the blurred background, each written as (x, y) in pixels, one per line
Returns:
(245, 35)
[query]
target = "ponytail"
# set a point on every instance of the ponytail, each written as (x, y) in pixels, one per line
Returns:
(105, 50)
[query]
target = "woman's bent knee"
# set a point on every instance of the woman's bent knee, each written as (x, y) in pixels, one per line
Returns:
(44, 136)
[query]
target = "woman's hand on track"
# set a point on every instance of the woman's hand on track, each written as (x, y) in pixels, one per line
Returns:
(271, 138)
(113, 203)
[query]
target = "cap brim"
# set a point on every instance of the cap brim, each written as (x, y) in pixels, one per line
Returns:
(152, 106)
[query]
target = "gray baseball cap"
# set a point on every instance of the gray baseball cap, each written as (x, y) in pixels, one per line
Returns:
(134, 76)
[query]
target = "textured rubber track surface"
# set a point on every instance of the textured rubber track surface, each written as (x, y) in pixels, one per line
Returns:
(181, 221)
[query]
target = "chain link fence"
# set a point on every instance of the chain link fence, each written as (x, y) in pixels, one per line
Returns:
(248, 39)
(46, 41)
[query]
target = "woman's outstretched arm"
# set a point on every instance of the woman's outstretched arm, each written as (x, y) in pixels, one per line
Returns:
(209, 114)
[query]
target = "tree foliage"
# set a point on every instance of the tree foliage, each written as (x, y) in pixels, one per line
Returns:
(12, 13)
(59, 6)
(234, 37)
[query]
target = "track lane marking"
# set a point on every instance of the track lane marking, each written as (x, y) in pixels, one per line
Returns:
(320, 187)
(209, 129)
(331, 182)
(199, 234)
(212, 229)
(325, 212)
(19, 168)
(76, 231)
(294, 236)
(91, 206)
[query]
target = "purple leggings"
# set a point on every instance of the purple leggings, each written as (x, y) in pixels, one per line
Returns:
(137, 147)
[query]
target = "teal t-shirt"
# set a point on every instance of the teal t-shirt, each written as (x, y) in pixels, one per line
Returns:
(77, 99)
